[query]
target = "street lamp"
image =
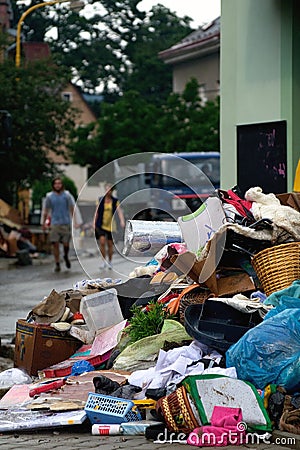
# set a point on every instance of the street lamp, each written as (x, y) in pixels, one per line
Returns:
(75, 5)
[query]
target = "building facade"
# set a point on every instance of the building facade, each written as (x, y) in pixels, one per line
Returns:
(197, 56)
(260, 73)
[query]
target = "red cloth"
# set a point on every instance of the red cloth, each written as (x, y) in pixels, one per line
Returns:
(227, 428)
(168, 298)
(243, 207)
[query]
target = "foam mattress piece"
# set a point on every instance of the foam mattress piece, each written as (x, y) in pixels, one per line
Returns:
(218, 390)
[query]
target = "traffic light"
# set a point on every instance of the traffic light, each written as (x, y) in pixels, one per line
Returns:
(5, 131)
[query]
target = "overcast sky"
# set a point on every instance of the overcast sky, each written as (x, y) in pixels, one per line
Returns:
(201, 11)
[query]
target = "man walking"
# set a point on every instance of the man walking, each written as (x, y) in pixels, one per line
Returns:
(59, 205)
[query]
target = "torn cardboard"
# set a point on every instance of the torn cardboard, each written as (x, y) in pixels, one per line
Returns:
(204, 271)
(225, 285)
(9, 215)
(235, 284)
(188, 265)
(291, 199)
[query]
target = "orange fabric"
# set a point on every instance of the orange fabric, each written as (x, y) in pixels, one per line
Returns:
(173, 306)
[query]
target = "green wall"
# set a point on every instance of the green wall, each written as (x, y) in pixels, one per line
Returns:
(260, 71)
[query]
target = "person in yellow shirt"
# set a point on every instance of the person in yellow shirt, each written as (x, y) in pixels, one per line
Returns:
(105, 223)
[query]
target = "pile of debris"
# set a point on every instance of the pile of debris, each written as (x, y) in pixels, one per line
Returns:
(202, 341)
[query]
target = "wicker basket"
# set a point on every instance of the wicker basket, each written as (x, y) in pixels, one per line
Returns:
(277, 267)
(178, 412)
(194, 294)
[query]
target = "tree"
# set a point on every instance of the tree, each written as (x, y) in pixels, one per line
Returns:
(133, 125)
(39, 190)
(114, 49)
(41, 122)
(149, 75)
(117, 48)
(187, 124)
(125, 127)
(41, 187)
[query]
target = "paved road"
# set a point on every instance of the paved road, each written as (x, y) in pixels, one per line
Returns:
(21, 288)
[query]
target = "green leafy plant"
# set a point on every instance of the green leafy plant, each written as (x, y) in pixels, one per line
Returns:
(147, 322)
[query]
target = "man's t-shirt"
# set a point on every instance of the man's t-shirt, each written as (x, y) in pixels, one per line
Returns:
(60, 206)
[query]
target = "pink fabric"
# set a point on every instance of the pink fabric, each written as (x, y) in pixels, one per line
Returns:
(224, 416)
(227, 428)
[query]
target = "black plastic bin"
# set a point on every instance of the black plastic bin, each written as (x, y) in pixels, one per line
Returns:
(218, 324)
(131, 290)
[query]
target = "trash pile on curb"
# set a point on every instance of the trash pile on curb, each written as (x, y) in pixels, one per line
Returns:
(200, 344)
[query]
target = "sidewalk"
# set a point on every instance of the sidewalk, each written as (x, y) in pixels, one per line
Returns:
(11, 263)
(77, 439)
(87, 248)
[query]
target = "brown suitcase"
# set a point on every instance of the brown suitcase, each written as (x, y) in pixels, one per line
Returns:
(39, 346)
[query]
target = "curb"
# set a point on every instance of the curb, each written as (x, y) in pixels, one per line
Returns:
(11, 263)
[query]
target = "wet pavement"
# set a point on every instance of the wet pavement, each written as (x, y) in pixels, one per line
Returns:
(22, 287)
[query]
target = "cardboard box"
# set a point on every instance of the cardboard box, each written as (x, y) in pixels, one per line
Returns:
(39, 346)
(205, 272)
(291, 199)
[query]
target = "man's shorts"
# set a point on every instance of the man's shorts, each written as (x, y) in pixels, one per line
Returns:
(100, 232)
(60, 233)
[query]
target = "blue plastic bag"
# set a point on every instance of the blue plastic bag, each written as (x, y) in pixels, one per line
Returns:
(80, 367)
(270, 352)
(292, 291)
(285, 302)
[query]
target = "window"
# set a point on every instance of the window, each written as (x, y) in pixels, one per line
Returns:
(67, 96)
(202, 94)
